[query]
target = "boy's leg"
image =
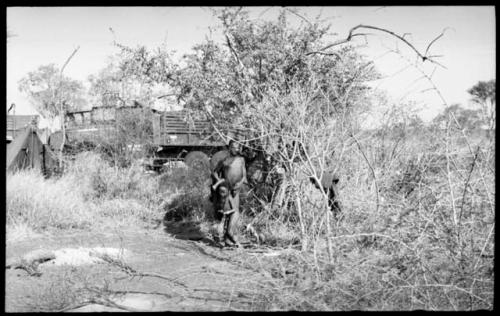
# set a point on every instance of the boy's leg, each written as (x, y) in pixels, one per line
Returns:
(225, 228)
(222, 228)
(232, 227)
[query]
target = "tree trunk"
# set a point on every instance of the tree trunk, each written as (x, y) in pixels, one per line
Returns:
(301, 221)
(328, 236)
(279, 195)
(63, 141)
(61, 109)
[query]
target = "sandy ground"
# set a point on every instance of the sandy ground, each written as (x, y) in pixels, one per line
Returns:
(194, 275)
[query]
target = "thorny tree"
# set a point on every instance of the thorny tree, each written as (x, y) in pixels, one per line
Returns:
(293, 90)
(276, 81)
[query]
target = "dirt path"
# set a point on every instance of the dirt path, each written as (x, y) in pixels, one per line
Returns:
(181, 274)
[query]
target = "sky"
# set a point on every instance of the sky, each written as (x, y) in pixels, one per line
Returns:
(44, 35)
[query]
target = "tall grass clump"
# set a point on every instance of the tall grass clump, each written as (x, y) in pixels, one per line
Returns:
(121, 194)
(128, 193)
(42, 203)
(99, 180)
(90, 193)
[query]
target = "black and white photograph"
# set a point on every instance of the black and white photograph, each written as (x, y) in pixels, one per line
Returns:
(250, 158)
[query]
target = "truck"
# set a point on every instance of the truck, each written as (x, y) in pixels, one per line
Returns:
(171, 137)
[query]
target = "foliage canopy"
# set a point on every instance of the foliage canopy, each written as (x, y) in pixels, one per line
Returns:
(45, 89)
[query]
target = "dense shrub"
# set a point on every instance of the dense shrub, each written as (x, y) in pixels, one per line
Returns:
(424, 240)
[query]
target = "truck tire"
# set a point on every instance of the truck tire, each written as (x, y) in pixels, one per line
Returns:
(197, 160)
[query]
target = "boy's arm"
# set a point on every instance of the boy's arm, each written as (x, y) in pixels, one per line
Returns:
(217, 184)
(228, 212)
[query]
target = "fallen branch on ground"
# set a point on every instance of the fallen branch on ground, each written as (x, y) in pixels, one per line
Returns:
(134, 273)
(30, 261)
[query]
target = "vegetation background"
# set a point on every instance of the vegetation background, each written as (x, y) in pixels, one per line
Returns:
(418, 222)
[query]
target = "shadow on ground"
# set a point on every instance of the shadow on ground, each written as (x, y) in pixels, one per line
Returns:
(185, 230)
(188, 206)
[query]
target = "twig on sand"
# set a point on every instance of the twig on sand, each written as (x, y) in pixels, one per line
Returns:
(134, 273)
(30, 261)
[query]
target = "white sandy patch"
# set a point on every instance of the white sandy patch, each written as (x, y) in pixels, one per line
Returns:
(82, 256)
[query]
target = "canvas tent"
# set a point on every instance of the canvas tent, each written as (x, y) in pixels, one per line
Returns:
(26, 150)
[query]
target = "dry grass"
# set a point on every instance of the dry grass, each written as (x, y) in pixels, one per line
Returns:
(424, 240)
(41, 204)
(69, 288)
(90, 194)
(93, 194)
(427, 245)
(18, 231)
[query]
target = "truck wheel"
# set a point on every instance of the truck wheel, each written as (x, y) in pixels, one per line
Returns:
(197, 160)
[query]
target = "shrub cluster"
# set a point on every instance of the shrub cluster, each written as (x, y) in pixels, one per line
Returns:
(421, 238)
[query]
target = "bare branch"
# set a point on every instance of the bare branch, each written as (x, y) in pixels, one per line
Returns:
(402, 38)
(432, 73)
(435, 56)
(371, 169)
(339, 42)
(433, 41)
(467, 183)
(67, 61)
(404, 34)
(297, 14)
(428, 89)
